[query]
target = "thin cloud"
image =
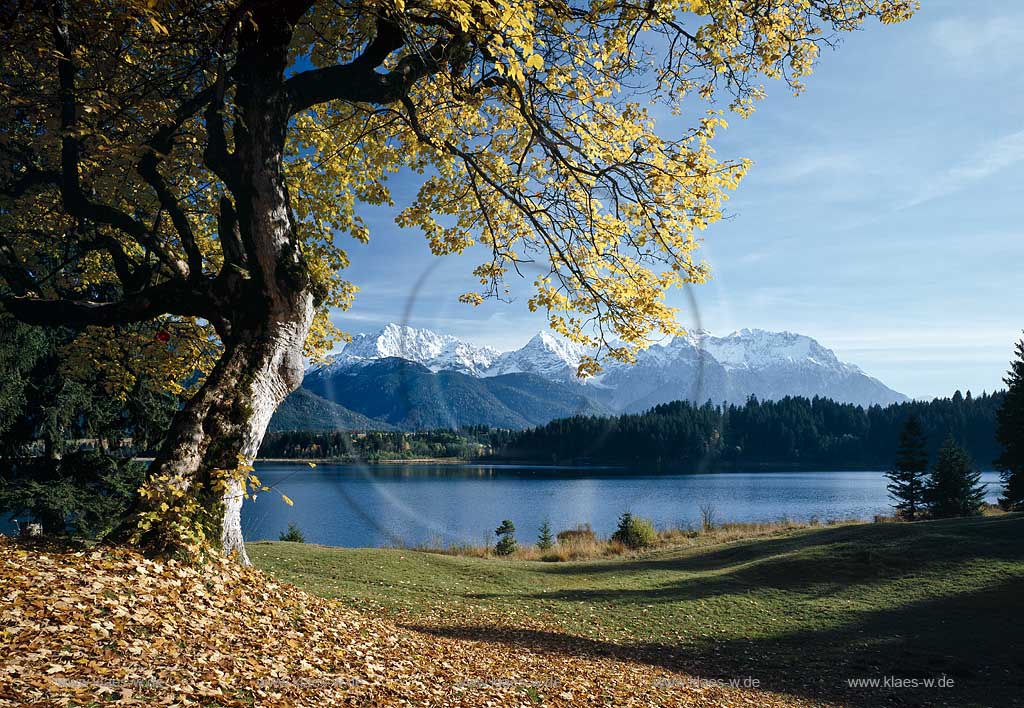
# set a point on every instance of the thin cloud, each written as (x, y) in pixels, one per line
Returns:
(994, 157)
(975, 44)
(810, 165)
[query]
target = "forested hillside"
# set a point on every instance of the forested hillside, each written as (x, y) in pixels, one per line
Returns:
(792, 431)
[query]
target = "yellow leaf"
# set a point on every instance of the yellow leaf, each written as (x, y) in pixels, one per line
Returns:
(287, 501)
(535, 62)
(157, 27)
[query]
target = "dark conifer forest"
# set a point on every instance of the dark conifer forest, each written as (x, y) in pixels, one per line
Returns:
(789, 432)
(792, 432)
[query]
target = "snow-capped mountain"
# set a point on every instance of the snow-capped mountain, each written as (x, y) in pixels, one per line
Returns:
(758, 349)
(437, 352)
(675, 371)
(770, 365)
(545, 354)
(696, 366)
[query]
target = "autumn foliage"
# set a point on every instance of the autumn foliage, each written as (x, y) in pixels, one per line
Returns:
(199, 166)
(111, 627)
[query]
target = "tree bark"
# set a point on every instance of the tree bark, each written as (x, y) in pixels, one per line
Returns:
(228, 417)
(274, 332)
(271, 306)
(277, 371)
(267, 307)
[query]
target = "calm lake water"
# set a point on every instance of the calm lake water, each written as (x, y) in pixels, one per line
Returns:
(390, 504)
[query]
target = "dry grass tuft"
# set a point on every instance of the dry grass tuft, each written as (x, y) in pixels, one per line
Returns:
(581, 543)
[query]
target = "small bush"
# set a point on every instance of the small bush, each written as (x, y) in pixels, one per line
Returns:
(635, 532)
(293, 534)
(581, 534)
(506, 546)
(708, 516)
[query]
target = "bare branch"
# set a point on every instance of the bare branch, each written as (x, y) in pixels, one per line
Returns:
(216, 155)
(75, 201)
(227, 231)
(358, 81)
(14, 272)
(28, 181)
(169, 298)
(147, 167)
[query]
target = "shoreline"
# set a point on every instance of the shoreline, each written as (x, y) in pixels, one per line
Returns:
(351, 461)
(632, 468)
(647, 467)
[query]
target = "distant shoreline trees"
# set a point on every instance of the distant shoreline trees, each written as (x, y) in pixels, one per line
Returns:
(791, 432)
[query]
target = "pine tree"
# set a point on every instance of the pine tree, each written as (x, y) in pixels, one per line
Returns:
(545, 539)
(506, 544)
(907, 479)
(955, 487)
(293, 534)
(1010, 434)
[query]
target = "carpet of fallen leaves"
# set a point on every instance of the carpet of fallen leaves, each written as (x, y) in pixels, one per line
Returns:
(109, 627)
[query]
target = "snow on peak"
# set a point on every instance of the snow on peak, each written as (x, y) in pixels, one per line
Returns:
(554, 357)
(545, 354)
(758, 349)
(695, 365)
(438, 352)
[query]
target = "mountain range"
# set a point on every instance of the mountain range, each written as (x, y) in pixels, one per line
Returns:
(401, 377)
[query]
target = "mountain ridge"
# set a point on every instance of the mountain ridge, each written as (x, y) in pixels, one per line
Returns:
(408, 395)
(412, 378)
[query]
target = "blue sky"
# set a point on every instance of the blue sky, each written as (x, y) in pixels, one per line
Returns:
(884, 215)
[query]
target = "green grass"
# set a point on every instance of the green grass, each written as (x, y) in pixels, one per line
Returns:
(802, 611)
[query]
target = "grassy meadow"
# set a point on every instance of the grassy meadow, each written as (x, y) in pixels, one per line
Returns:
(802, 610)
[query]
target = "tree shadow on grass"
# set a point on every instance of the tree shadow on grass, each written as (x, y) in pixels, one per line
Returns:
(973, 638)
(813, 565)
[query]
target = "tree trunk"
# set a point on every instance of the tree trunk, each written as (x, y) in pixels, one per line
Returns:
(269, 309)
(227, 418)
(277, 370)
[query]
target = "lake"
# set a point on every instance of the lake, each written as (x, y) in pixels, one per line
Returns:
(395, 504)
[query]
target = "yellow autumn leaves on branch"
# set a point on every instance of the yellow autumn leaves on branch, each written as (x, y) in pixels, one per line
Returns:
(575, 139)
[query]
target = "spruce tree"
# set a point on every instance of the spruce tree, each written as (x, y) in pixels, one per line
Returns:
(955, 487)
(907, 479)
(1010, 434)
(506, 544)
(545, 539)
